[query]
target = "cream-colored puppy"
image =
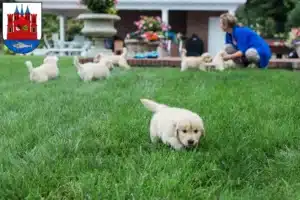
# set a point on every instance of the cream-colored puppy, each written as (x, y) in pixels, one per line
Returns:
(91, 71)
(46, 71)
(177, 127)
(191, 61)
(119, 60)
(218, 62)
(207, 58)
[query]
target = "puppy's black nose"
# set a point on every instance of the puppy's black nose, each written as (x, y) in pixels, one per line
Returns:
(190, 142)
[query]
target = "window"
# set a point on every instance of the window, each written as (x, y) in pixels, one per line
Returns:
(10, 30)
(33, 30)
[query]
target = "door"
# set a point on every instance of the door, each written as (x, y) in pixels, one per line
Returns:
(216, 37)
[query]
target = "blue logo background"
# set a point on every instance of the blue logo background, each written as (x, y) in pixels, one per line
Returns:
(13, 45)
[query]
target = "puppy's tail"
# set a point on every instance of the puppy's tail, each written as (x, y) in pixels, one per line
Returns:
(76, 62)
(152, 105)
(29, 65)
(183, 53)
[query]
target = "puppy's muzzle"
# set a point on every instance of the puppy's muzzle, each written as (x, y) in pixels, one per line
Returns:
(190, 142)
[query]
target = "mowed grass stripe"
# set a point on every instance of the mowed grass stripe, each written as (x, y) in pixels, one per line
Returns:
(66, 139)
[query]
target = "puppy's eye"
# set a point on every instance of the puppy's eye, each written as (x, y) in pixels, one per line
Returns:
(196, 131)
(184, 131)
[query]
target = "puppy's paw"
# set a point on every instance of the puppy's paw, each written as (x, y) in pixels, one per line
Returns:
(252, 65)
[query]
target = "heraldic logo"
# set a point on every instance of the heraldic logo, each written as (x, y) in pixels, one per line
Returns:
(22, 27)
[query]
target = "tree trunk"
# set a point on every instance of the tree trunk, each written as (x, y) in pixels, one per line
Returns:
(280, 27)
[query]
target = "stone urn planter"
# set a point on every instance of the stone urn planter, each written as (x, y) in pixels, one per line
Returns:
(99, 27)
(151, 46)
(135, 46)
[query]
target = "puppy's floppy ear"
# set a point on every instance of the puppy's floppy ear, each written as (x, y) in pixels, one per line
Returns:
(97, 57)
(202, 132)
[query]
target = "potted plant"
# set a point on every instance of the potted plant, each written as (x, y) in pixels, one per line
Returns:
(99, 24)
(294, 22)
(150, 31)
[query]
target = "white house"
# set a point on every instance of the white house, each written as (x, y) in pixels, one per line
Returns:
(185, 16)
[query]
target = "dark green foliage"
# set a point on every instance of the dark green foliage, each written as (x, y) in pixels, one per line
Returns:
(294, 16)
(248, 17)
(273, 10)
(98, 6)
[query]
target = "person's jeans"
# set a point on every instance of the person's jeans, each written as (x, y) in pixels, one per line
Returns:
(251, 55)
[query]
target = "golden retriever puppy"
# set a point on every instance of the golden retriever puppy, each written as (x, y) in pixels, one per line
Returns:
(191, 61)
(92, 71)
(177, 127)
(219, 64)
(207, 58)
(97, 59)
(46, 71)
(119, 60)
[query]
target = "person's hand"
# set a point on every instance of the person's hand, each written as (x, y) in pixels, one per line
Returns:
(227, 57)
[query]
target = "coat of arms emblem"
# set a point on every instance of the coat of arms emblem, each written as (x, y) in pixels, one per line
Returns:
(22, 26)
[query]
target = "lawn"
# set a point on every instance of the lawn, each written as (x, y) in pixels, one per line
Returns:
(66, 139)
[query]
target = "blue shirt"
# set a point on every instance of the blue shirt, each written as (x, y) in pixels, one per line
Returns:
(243, 38)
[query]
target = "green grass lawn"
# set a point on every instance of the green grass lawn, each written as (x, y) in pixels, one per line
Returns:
(66, 139)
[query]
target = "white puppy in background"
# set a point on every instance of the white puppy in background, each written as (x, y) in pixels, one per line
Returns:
(91, 71)
(177, 127)
(119, 60)
(218, 63)
(46, 71)
(193, 61)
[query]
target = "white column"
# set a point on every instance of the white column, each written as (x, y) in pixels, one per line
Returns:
(165, 16)
(61, 33)
(165, 19)
(61, 28)
(232, 10)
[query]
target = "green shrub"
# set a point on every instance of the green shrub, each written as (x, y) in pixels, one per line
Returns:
(294, 16)
(6, 51)
(101, 6)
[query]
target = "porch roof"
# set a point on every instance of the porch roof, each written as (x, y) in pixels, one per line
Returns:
(73, 8)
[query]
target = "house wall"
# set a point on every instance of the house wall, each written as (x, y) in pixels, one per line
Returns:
(186, 22)
(197, 22)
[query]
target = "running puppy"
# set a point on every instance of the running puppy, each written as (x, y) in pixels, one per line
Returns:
(92, 71)
(46, 71)
(192, 61)
(119, 60)
(218, 63)
(177, 127)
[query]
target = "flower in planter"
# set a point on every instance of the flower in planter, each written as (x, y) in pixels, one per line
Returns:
(150, 36)
(101, 6)
(149, 28)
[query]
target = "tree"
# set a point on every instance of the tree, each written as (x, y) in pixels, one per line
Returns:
(294, 16)
(249, 17)
(277, 10)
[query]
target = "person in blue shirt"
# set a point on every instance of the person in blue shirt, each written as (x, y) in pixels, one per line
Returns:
(242, 44)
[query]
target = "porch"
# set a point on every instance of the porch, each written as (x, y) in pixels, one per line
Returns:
(203, 23)
(275, 63)
(195, 16)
